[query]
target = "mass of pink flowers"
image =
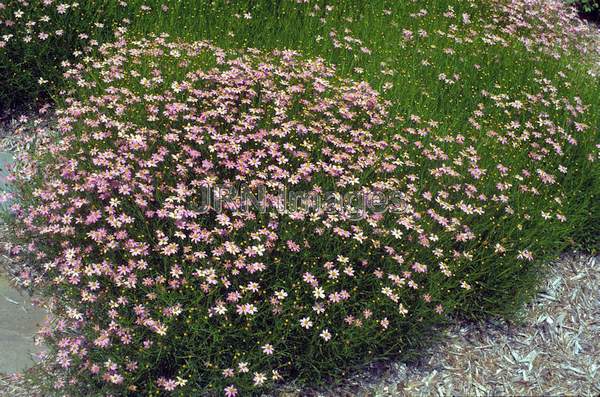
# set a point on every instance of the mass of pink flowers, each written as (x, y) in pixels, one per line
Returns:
(547, 26)
(155, 291)
(141, 272)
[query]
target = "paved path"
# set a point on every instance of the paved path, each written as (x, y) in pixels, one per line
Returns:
(19, 321)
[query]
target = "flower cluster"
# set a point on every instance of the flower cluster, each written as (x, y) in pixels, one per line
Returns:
(441, 184)
(153, 295)
(547, 26)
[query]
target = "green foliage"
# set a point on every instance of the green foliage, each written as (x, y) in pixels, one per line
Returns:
(587, 6)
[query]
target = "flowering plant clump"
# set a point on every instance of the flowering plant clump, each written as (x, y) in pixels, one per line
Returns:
(546, 26)
(153, 215)
(37, 36)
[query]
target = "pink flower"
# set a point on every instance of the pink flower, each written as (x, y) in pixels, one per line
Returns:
(231, 391)
(325, 334)
(293, 246)
(306, 323)
(268, 349)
